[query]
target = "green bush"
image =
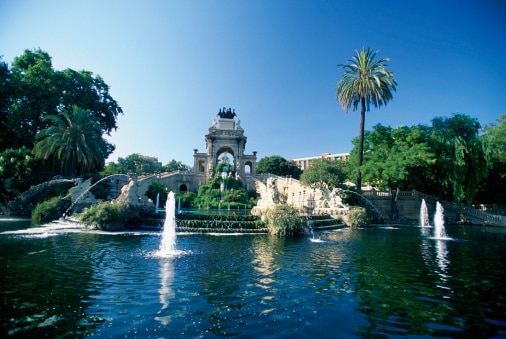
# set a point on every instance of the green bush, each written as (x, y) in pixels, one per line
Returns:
(187, 199)
(49, 210)
(111, 216)
(284, 219)
(157, 188)
(358, 217)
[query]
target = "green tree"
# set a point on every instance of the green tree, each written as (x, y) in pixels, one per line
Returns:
(325, 173)
(18, 171)
(81, 88)
(74, 141)
(278, 165)
(392, 156)
(365, 82)
(174, 165)
(140, 164)
(493, 188)
(35, 90)
(33, 96)
(463, 158)
(157, 188)
(6, 93)
(496, 135)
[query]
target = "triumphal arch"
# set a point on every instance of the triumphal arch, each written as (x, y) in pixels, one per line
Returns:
(225, 139)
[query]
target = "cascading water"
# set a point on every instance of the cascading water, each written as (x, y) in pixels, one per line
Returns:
(424, 215)
(168, 243)
(439, 222)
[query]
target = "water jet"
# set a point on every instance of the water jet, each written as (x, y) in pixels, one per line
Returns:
(439, 222)
(168, 242)
(424, 215)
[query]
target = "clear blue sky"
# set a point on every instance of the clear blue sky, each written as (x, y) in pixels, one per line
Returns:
(171, 65)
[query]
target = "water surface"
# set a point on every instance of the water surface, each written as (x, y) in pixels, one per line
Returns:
(61, 281)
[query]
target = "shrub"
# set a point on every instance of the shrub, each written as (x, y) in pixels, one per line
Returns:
(187, 199)
(49, 210)
(111, 216)
(358, 217)
(156, 188)
(284, 219)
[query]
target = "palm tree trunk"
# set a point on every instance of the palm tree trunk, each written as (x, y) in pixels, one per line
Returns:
(361, 145)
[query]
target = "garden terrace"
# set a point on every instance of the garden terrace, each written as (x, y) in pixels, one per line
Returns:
(205, 223)
(324, 222)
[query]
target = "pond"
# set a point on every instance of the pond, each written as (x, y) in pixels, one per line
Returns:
(59, 280)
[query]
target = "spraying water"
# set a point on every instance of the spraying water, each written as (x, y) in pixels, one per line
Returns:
(168, 243)
(367, 201)
(424, 215)
(439, 222)
(87, 190)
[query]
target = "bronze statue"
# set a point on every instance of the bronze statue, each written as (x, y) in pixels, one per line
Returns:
(227, 113)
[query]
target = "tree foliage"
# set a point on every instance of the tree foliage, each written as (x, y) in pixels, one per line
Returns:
(463, 158)
(35, 90)
(74, 141)
(393, 156)
(33, 96)
(365, 81)
(278, 165)
(157, 189)
(325, 173)
(448, 159)
(228, 191)
(174, 165)
(496, 136)
(18, 171)
(493, 189)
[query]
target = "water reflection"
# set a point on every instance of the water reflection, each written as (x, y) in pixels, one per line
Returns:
(165, 291)
(442, 258)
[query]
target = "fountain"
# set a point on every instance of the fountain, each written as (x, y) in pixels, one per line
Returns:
(168, 243)
(87, 190)
(424, 215)
(367, 202)
(310, 225)
(439, 222)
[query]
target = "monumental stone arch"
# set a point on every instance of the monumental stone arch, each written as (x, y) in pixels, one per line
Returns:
(225, 137)
(225, 140)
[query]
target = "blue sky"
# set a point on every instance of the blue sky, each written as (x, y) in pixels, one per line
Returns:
(171, 65)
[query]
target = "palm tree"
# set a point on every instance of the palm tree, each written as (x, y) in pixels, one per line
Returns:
(365, 81)
(75, 141)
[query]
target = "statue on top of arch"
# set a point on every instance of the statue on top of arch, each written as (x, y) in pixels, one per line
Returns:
(227, 113)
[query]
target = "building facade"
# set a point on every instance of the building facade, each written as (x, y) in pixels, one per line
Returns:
(304, 163)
